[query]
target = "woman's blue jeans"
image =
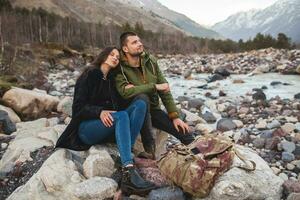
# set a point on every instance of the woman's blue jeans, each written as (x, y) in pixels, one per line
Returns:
(126, 127)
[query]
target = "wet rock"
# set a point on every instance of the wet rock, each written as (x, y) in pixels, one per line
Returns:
(6, 125)
(215, 77)
(187, 74)
(222, 94)
(209, 117)
(297, 96)
(259, 95)
(166, 193)
(225, 125)
(275, 83)
(222, 71)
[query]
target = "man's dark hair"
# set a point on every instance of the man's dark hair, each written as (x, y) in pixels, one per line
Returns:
(124, 36)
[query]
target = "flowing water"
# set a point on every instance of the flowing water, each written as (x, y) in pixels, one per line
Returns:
(192, 88)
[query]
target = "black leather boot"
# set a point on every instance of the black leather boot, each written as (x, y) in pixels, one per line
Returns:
(133, 183)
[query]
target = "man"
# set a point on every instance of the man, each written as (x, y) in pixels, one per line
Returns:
(140, 74)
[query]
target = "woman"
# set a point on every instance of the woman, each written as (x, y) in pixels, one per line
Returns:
(96, 117)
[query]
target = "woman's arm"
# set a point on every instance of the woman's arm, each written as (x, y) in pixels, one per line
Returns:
(81, 108)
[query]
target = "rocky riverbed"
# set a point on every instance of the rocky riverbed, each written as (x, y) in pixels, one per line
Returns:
(251, 97)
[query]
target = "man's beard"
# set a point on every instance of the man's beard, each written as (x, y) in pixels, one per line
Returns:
(136, 54)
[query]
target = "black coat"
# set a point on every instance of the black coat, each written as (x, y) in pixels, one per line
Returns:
(88, 103)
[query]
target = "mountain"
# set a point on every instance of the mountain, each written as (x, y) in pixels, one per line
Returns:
(178, 19)
(283, 16)
(153, 15)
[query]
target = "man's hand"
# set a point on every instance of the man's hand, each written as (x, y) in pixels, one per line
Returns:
(164, 87)
(106, 117)
(129, 86)
(179, 123)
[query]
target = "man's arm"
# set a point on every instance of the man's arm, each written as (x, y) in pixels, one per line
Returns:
(166, 97)
(127, 93)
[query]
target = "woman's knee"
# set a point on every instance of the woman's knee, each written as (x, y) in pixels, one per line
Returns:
(141, 105)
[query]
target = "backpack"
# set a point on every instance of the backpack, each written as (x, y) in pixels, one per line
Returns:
(196, 167)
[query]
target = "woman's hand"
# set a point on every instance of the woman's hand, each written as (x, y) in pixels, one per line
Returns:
(106, 117)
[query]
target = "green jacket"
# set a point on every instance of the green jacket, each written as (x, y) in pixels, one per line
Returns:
(144, 82)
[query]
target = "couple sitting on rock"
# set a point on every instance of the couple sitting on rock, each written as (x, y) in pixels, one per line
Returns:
(116, 98)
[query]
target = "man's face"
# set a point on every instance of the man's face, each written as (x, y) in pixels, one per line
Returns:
(134, 46)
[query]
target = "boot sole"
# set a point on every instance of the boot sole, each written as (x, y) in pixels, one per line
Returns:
(131, 190)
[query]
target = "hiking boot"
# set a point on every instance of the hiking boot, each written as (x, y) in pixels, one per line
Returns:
(149, 151)
(133, 183)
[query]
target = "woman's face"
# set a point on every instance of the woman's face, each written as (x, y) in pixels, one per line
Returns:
(113, 58)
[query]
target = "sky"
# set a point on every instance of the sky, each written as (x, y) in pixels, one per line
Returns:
(209, 12)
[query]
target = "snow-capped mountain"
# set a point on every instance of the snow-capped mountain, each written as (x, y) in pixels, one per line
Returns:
(283, 16)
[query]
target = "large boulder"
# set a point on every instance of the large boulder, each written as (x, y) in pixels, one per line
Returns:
(30, 104)
(238, 184)
(60, 178)
(30, 136)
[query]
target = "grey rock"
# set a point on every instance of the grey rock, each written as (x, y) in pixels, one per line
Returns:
(6, 125)
(287, 156)
(259, 143)
(209, 117)
(274, 124)
(225, 125)
(288, 146)
(195, 103)
(166, 193)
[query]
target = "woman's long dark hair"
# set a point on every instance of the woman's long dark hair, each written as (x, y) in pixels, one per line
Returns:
(99, 60)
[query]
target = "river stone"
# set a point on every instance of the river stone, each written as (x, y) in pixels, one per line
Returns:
(209, 117)
(288, 127)
(288, 146)
(287, 157)
(274, 124)
(225, 125)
